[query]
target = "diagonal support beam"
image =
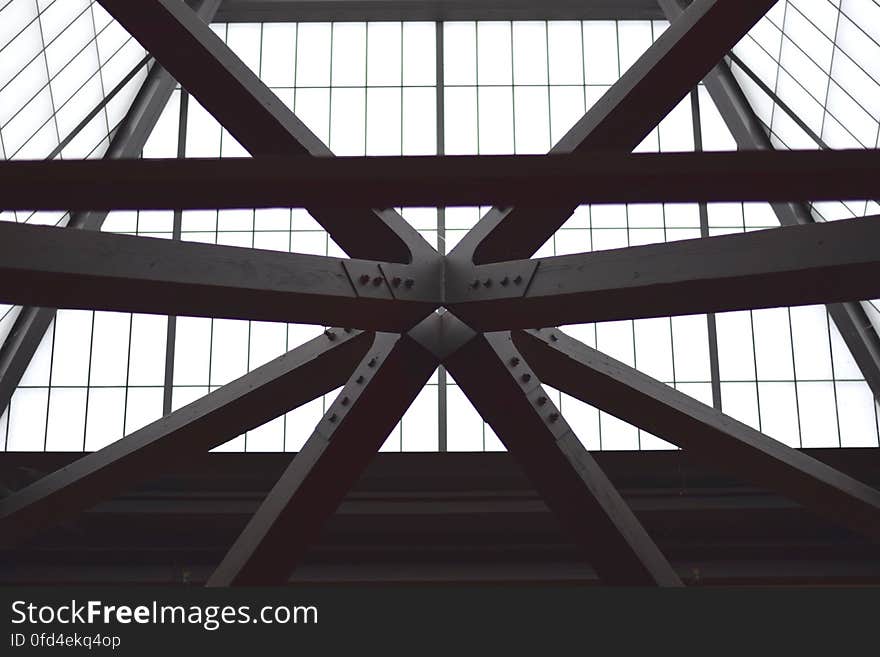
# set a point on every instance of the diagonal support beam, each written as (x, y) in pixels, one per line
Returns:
(128, 141)
(103, 271)
(797, 265)
(255, 116)
(510, 398)
(522, 180)
(623, 117)
(372, 402)
(707, 434)
(850, 318)
(302, 374)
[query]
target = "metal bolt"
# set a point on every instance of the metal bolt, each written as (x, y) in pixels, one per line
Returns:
(396, 281)
(553, 417)
(364, 279)
(347, 330)
(487, 282)
(542, 400)
(333, 417)
(514, 361)
(526, 377)
(505, 281)
(553, 337)
(360, 379)
(330, 335)
(518, 280)
(409, 282)
(345, 401)
(372, 363)
(377, 281)
(475, 283)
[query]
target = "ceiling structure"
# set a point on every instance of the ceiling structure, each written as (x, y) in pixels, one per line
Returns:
(467, 301)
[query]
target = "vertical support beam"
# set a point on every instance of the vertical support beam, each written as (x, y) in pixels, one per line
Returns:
(353, 429)
(32, 323)
(439, 58)
(850, 318)
(509, 396)
(711, 326)
(171, 336)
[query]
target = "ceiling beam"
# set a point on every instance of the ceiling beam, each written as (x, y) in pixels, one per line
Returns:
(128, 141)
(523, 180)
(792, 266)
(275, 11)
(302, 374)
(255, 116)
(852, 321)
(384, 384)
(623, 117)
(509, 396)
(703, 432)
(58, 267)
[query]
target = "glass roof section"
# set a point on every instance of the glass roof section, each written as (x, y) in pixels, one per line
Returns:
(375, 89)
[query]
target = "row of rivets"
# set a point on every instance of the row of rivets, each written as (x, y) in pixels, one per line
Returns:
(363, 279)
(488, 282)
(346, 400)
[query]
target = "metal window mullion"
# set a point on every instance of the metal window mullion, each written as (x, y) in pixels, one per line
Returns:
(440, 119)
(177, 229)
(711, 325)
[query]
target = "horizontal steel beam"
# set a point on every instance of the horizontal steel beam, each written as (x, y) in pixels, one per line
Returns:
(384, 384)
(523, 180)
(622, 118)
(304, 373)
(851, 318)
(275, 11)
(207, 68)
(128, 141)
(65, 268)
(798, 265)
(510, 398)
(706, 434)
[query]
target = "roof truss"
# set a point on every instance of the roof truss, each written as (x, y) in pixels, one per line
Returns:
(386, 370)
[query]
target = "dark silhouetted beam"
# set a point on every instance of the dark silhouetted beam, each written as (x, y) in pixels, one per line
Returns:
(256, 117)
(790, 266)
(524, 180)
(509, 396)
(353, 429)
(128, 141)
(302, 374)
(623, 117)
(850, 318)
(66, 268)
(703, 432)
(274, 11)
